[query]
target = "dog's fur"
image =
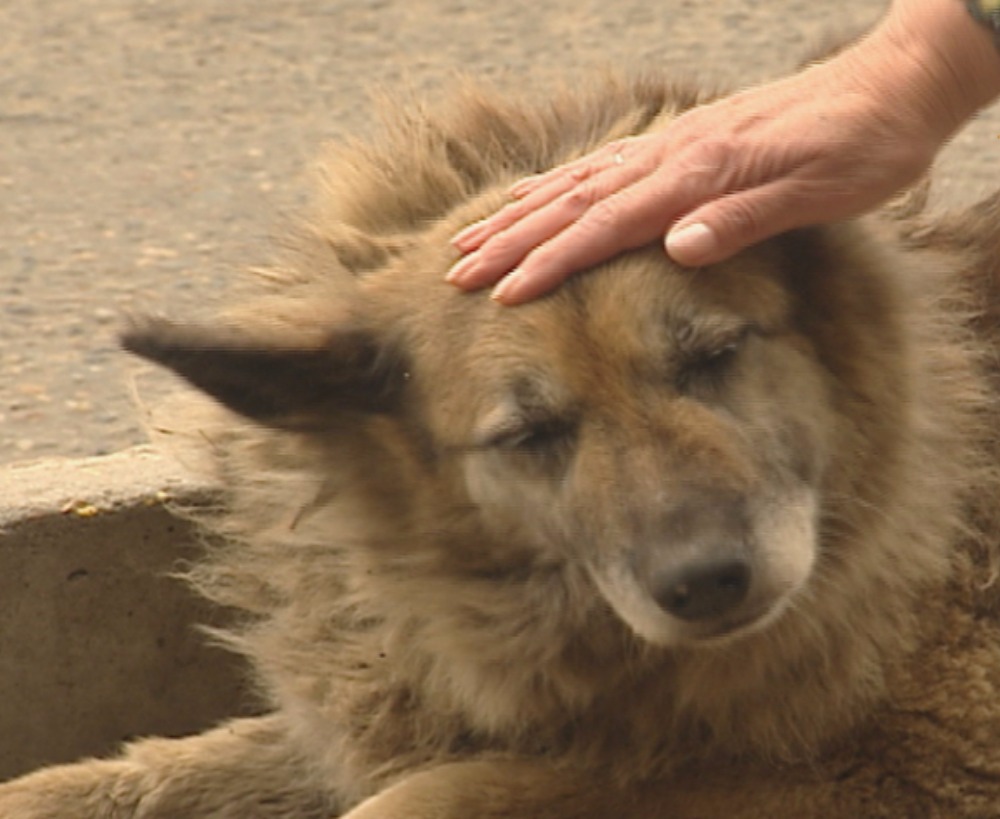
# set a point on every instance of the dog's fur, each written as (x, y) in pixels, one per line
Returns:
(448, 523)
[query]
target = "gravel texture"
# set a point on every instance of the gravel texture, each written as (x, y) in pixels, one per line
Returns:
(148, 149)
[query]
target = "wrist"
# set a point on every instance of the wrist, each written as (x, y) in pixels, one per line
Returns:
(947, 58)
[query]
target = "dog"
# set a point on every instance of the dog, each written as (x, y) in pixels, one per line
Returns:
(665, 542)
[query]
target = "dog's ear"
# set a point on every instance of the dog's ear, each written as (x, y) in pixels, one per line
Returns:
(283, 377)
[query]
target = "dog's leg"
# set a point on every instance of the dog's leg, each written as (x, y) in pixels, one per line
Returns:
(244, 769)
(495, 789)
(532, 789)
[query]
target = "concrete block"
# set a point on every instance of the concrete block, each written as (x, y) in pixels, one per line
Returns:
(97, 642)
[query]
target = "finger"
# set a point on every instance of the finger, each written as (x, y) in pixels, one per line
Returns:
(721, 228)
(475, 235)
(613, 153)
(501, 250)
(635, 215)
(577, 170)
(632, 217)
(544, 188)
(527, 184)
(515, 288)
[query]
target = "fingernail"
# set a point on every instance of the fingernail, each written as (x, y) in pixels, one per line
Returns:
(461, 269)
(506, 291)
(691, 244)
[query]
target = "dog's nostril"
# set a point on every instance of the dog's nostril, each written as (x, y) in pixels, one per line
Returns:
(702, 591)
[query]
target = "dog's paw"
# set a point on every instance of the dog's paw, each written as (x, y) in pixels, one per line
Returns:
(492, 789)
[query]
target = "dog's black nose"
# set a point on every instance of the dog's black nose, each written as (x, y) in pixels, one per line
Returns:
(703, 590)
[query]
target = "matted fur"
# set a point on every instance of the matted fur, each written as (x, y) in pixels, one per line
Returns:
(431, 605)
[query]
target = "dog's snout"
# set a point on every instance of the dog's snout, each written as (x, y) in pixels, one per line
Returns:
(703, 589)
(699, 567)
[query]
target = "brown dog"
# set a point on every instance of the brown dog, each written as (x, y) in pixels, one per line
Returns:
(666, 543)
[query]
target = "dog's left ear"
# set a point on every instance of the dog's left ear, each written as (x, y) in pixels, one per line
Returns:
(282, 378)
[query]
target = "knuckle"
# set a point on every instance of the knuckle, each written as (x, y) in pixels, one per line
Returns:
(511, 214)
(581, 197)
(707, 159)
(500, 247)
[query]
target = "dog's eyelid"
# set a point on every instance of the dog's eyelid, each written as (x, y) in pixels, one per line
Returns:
(528, 409)
(495, 435)
(708, 356)
(702, 342)
(501, 421)
(517, 431)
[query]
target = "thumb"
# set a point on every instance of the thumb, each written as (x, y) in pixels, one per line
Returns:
(719, 229)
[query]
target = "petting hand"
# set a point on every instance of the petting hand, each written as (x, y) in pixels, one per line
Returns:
(825, 144)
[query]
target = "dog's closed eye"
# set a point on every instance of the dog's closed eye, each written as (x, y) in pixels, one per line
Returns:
(708, 366)
(540, 445)
(531, 436)
(706, 362)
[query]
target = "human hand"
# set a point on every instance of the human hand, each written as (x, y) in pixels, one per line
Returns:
(828, 143)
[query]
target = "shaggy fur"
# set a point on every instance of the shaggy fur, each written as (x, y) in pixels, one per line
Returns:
(455, 529)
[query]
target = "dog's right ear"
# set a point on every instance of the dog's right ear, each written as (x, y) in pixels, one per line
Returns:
(283, 378)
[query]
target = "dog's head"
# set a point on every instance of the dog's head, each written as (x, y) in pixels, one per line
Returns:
(685, 436)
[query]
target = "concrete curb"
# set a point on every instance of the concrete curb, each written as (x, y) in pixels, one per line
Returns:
(97, 642)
